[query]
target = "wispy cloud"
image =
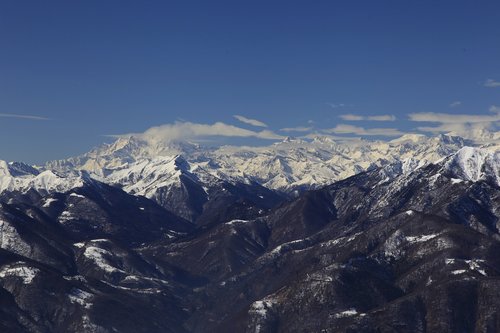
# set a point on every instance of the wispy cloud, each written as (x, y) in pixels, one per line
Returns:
(326, 137)
(448, 118)
(296, 129)
(461, 124)
(455, 104)
(349, 129)
(446, 128)
(22, 116)
(249, 121)
(180, 131)
(384, 117)
(490, 83)
(354, 117)
(351, 117)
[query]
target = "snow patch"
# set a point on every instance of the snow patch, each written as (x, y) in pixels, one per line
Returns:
(26, 273)
(48, 202)
(472, 265)
(65, 216)
(420, 239)
(458, 271)
(348, 313)
(97, 255)
(260, 311)
(233, 222)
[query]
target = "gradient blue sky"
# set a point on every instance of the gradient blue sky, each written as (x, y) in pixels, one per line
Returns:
(92, 68)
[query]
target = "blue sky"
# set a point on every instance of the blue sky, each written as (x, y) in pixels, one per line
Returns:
(80, 70)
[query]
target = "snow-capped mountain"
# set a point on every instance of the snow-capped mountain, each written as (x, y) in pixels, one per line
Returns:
(183, 177)
(472, 164)
(285, 166)
(410, 244)
(20, 177)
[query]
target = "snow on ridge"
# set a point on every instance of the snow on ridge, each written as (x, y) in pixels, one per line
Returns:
(458, 271)
(473, 164)
(48, 202)
(421, 238)
(285, 166)
(98, 256)
(20, 270)
(142, 168)
(233, 222)
(348, 313)
(46, 181)
(471, 265)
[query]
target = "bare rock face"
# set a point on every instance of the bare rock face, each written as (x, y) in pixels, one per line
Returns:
(398, 248)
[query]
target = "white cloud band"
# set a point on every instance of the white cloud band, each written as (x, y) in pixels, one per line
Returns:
(192, 131)
(349, 129)
(249, 121)
(354, 117)
(22, 116)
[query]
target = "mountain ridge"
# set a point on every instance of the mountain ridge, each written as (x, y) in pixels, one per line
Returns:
(183, 176)
(402, 243)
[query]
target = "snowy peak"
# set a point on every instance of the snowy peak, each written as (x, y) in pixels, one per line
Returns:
(451, 139)
(146, 176)
(115, 156)
(473, 164)
(291, 139)
(409, 137)
(321, 139)
(17, 177)
(4, 169)
(285, 166)
(16, 169)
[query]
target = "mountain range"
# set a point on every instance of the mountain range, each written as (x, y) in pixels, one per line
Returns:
(312, 235)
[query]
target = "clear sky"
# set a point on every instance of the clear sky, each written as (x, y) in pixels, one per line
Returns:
(72, 72)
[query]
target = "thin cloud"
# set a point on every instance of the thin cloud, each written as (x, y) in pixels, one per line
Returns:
(253, 122)
(384, 117)
(354, 117)
(351, 117)
(325, 137)
(349, 129)
(490, 83)
(464, 130)
(181, 131)
(22, 116)
(460, 124)
(296, 129)
(448, 118)
(444, 128)
(455, 104)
